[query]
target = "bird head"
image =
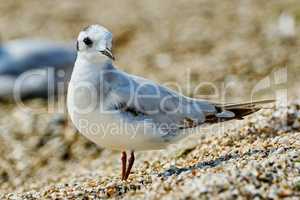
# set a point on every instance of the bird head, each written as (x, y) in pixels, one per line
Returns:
(95, 40)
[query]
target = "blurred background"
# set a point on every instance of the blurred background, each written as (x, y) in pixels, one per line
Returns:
(236, 43)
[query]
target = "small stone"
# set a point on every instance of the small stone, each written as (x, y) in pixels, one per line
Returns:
(111, 191)
(297, 186)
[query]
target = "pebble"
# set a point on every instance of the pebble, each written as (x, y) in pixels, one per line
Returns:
(264, 166)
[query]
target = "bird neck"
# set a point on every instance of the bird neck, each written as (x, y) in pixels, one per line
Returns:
(95, 58)
(88, 69)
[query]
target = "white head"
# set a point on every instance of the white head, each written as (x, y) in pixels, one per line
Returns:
(95, 41)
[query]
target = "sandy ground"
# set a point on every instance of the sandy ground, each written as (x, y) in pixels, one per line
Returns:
(229, 44)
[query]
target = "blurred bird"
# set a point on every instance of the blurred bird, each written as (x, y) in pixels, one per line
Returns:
(121, 111)
(33, 64)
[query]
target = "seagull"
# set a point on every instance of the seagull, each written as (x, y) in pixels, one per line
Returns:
(124, 112)
(32, 68)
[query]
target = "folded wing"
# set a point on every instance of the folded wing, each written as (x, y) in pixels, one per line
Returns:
(140, 98)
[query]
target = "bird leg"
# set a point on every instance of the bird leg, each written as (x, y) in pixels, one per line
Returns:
(130, 164)
(123, 159)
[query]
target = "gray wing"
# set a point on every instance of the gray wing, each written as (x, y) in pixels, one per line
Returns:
(138, 97)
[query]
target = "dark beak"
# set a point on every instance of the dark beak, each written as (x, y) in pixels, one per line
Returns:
(77, 46)
(108, 53)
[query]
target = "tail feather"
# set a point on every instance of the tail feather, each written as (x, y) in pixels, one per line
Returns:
(247, 104)
(227, 112)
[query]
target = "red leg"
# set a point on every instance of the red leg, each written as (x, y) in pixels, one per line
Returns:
(130, 164)
(123, 159)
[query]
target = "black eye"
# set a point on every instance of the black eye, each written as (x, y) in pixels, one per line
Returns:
(88, 41)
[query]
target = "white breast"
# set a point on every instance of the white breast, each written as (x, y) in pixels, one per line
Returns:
(106, 128)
